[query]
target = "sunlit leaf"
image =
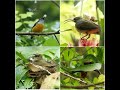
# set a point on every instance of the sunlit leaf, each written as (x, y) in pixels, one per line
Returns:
(91, 88)
(67, 80)
(101, 78)
(29, 14)
(16, 12)
(20, 72)
(17, 25)
(95, 80)
(51, 42)
(76, 83)
(17, 18)
(66, 57)
(87, 80)
(23, 16)
(64, 44)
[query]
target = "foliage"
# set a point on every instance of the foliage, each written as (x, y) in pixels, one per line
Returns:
(75, 61)
(27, 13)
(22, 59)
(85, 9)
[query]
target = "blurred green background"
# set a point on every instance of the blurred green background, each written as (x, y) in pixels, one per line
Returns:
(28, 12)
(74, 8)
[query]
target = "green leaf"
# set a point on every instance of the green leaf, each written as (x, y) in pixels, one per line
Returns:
(73, 63)
(47, 56)
(23, 16)
(20, 72)
(17, 25)
(50, 54)
(71, 54)
(67, 80)
(65, 54)
(17, 18)
(89, 67)
(64, 44)
(18, 44)
(101, 78)
(95, 80)
(100, 54)
(21, 56)
(18, 61)
(87, 80)
(91, 56)
(51, 42)
(16, 12)
(28, 83)
(20, 85)
(29, 14)
(100, 5)
(91, 88)
(76, 83)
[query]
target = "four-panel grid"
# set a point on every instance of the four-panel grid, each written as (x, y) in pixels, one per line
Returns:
(59, 44)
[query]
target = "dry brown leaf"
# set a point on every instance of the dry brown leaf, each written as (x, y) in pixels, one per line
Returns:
(51, 81)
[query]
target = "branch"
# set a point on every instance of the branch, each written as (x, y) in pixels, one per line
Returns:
(57, 39)
(73, 77)
(83, 86)
(35, 33)
(55, 3)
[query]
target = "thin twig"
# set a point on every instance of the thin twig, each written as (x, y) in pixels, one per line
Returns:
(56, 39)
(73, 77)
(55, 3)
(35, 33)
(83, 86)
(40, 67)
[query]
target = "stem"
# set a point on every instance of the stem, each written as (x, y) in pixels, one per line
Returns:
(82, 87)
(56, 39)
(73, 77)
(35, 33)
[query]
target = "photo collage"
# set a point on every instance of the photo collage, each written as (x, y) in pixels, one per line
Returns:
(59, 44)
